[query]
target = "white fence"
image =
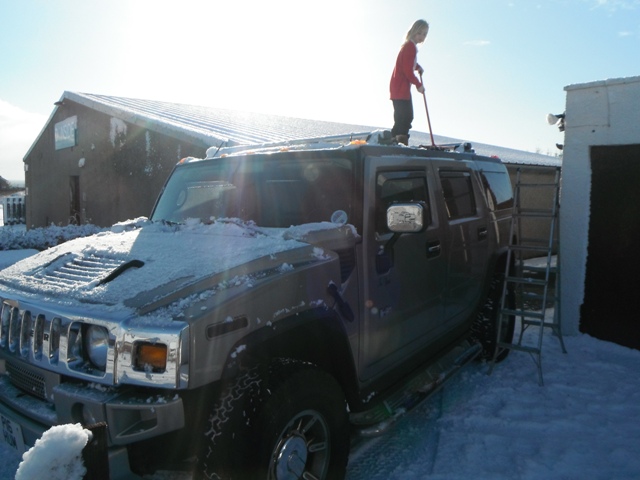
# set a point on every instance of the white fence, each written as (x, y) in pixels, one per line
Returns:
(13, 210)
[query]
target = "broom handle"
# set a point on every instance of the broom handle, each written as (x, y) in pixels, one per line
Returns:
(424, 97)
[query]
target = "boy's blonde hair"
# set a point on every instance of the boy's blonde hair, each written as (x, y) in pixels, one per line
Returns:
(417, 26)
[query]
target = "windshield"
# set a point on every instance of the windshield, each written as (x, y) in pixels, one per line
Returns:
(270, 190)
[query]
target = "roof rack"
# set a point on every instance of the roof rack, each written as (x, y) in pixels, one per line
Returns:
(452, 147)
(213, 152)
(377, 137)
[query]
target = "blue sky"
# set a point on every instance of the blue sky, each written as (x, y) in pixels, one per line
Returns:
(493, 68)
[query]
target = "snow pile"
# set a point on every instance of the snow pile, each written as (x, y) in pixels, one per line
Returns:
(18, 243)
(57, 455)
(17, 237)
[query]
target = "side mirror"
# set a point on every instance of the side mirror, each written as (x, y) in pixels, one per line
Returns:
(406, 217)
(401, 218)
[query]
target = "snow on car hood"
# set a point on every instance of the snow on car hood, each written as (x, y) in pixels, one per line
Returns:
(113, 268)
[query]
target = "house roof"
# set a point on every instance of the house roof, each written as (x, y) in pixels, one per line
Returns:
(209, 125)
(217, 126)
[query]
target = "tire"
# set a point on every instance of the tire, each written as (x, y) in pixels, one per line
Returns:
(280, 425)
(226, 433)
(485, 325)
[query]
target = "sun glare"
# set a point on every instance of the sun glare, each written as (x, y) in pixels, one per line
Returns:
(252, 56)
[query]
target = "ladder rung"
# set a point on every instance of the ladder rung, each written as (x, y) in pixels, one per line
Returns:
(530, 248)
(538, 241)
(521, 348)
(533, 213)
(552, 325)
(531, 245)
(537, 296)
(537, 275)
(523, 184)
(523, 313)
(540, 269)
(526, 280)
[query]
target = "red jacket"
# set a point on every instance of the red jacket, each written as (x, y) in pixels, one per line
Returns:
(403, 76)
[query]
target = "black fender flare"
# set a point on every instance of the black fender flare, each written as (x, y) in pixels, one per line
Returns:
(317, 336)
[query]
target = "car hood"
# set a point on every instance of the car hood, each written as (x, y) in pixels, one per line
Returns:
(133, 267)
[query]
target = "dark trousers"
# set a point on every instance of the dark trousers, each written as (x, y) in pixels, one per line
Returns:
(402, 117)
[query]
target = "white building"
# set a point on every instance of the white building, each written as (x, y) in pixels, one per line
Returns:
(600, 213)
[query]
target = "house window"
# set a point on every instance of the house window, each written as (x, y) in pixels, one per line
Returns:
(65, 133)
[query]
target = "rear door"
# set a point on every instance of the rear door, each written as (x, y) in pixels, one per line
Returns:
(404, 280)
(465, 238)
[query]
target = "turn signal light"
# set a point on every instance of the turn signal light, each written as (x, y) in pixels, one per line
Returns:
(151, 356)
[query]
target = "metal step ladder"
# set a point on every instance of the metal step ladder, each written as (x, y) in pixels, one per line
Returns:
(536, 283)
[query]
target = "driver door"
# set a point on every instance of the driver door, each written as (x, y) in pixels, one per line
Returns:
(406, 276)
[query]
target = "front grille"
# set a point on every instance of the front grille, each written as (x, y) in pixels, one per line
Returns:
(30, 382)
(47, 345)
(47, 341)
(29, 336)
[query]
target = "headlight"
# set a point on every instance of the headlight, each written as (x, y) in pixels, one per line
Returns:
(97, 342)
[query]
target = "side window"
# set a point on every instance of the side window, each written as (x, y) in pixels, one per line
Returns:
(399, 187)
(458, 194)
(498, 188)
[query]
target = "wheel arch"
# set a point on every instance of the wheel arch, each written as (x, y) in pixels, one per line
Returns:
(316, 336)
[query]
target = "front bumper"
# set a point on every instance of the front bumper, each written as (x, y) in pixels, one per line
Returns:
(131, 415)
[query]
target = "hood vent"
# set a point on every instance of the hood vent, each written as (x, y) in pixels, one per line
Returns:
(121, 269)
(81, 270)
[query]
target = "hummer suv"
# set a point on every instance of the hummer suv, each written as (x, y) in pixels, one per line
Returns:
(277, 303)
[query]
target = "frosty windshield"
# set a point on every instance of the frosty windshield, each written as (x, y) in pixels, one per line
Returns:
(270, 190)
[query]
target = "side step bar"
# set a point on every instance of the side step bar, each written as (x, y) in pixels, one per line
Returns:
(378, 419)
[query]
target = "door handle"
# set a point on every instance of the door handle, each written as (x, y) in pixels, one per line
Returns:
(433, 249)
(482, 233)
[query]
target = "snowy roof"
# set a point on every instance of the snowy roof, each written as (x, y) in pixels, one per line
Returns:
(215, 126)
(603, 83)
(210, 125)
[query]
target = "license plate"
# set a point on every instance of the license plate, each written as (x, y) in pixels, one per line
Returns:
(12, 434)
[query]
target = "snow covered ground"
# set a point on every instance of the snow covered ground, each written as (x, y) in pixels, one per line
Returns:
(582, 424)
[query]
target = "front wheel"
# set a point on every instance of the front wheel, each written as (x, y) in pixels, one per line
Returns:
(289, 423)
(304, 425)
